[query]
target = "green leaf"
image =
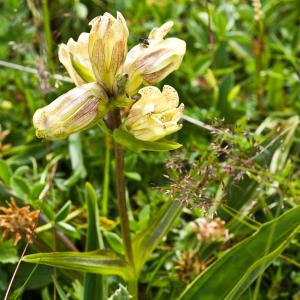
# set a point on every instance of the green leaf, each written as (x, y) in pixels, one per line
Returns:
(36, 190)
(114, 241)
(147, 240)
(129, 141)
(40, 278)
(95, 286)
(77, 162)
(3, 280)
(8, 253)
(234, 271)
(59, 289)
(5, 171)
(21, 171)
(19, 291)
(99, 262)
(224, 90)
(78, 289)
(144, 216)
(133, 175)
(20, 186)
(94, 240)
(281, 154)
(68, 229)
(63, 212)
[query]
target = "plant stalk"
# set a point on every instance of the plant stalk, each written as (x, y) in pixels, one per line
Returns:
(259, 60)
(120, 186)
(133, 289)
(48, 34)
(106, 177)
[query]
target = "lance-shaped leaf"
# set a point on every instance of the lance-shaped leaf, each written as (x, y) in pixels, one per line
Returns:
(233, 272)
(147, 240)
(99, 262)
(77, 161)
(95, 286)
(129, 141)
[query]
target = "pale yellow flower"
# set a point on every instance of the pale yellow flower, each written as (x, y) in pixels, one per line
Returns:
(78, 109)
(96, 64)
(107, 47)
(93, 62)
(154, 59)
(75, 58)
(155, 114)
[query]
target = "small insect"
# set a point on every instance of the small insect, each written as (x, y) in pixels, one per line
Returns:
(144, 42)
(136, 97)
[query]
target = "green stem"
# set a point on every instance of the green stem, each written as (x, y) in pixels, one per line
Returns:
(133, 289)
(259, 65)
(120, 186)
(210, 32)
(48, 35)
(106, 177)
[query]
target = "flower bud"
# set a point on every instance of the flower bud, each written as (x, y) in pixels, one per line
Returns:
(108, 47)
(78, 109)
(155, 114)
(153, 59)
(75, 58)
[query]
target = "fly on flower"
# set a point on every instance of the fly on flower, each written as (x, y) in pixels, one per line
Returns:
(149, 63)
(107, 77)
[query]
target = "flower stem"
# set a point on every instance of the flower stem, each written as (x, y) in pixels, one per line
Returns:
(48, 34)
(133, 289)
(120, 186)
(106, 177)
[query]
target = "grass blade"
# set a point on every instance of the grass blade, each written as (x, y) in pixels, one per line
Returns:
(146, 241)
(95, 286)
(98, 262)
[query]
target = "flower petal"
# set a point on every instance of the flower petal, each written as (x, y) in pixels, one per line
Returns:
(76, 53)
(155, 114)
(152, 63)
(74, 111)
(107, 47)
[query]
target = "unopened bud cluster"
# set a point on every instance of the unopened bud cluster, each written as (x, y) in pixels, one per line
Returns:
(107, 77)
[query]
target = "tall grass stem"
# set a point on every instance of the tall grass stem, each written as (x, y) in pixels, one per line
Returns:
(48, 34)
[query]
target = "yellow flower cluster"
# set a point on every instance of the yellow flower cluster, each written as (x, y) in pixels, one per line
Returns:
(156, 114)
(106, 77)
